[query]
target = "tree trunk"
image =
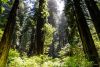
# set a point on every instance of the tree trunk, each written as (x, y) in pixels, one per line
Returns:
(40, 23)
(95, 14)
(88, 43)
(7, 36)
(33, 46)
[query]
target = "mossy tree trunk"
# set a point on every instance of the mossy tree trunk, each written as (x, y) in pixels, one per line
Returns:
(42, 17)
(95, 14)
(7, 36)
(88, 43)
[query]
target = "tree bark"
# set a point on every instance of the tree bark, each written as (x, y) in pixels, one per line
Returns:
(95, 14)
(88, 43)
(7, 36)
(40, 23)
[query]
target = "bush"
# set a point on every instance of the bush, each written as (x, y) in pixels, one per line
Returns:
(44, 61)
(49, 30)
(76, 61)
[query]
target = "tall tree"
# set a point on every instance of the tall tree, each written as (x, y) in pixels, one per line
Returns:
(32, 46)
(42, 18)
(7, 36)
(72, 27)
(19, 26)
(95, 14)
(88, 43)
(0, 6)
(69, 12)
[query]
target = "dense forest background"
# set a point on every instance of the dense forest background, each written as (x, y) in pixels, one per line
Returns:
(49, 33)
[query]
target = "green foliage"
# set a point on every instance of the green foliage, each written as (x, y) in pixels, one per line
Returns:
(12, 55)
(44, 8)
(44, 61)
(76, 61)
(4, 1)
(36, 61)
(75, 56)
(49, 30)
(1, 7)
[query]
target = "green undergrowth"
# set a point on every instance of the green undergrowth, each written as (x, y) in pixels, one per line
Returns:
(14, 60)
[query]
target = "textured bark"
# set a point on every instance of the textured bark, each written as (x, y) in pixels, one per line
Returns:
(95, 14)
(88, 43)
(7, 36)
(40, 23)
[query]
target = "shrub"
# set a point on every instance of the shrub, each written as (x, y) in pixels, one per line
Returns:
(44, 61)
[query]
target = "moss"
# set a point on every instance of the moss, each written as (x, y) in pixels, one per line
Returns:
(3, 58)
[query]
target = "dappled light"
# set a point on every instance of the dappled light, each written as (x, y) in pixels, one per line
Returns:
(49, 33)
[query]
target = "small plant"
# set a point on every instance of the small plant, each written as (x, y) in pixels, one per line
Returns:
(76, 61)
(14, 60)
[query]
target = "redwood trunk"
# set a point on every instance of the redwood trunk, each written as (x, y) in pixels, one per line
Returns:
(40, 23)
(7, 36)
(88, 43)
(95, 14)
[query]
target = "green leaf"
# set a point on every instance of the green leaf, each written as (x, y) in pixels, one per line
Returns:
(4, 1)
(2, 9)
